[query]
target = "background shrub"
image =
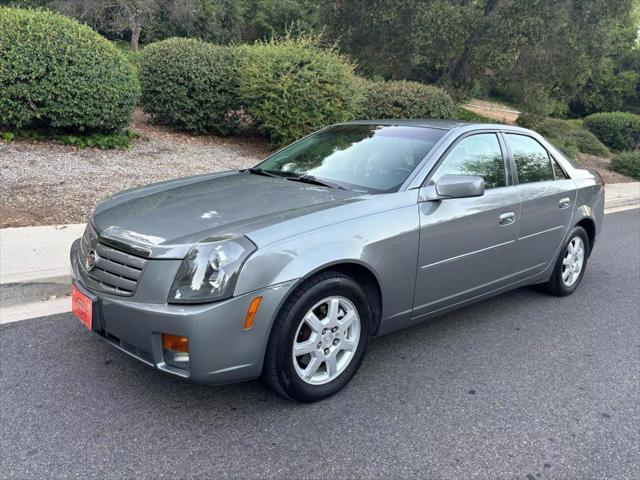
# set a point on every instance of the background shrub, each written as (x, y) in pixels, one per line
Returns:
(617, 130)
(627, 163)
(189, 84)
(55, 72)
(402, 99)
(568, 135)
(292, 87)
(470, 116)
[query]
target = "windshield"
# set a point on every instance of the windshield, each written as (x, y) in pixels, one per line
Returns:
(369, 158)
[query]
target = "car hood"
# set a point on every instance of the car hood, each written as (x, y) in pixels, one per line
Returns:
(164, 220)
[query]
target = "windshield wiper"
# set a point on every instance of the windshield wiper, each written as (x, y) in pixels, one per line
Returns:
(315, 181)
(259, 171)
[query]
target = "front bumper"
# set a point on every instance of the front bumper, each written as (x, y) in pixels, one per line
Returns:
(220, 350)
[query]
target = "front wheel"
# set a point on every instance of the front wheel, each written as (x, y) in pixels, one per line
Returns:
(571, 264)
(319, 339)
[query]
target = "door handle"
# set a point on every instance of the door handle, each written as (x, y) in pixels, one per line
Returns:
(507, 218)
(564, 202)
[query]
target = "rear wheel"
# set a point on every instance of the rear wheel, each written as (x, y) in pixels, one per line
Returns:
(319, 339)
(571, 264)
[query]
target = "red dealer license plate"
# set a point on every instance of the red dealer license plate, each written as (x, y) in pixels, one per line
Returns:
(81, 306)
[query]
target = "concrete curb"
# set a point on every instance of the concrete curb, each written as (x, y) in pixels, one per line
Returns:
(36, 254)
(25, 286)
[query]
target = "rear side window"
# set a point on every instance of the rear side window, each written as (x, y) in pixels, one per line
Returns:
(478, 155)
(532, 160)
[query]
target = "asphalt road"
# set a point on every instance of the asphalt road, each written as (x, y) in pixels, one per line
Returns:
(521, 386)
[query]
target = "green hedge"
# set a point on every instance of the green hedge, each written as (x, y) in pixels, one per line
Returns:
(627, 163)
(568, 135)
(292, 87)
(470, 116)
(189, 84)
(618, 130)
(403, 99)
(55, 72)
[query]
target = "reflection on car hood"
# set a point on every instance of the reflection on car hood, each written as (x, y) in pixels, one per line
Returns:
(165, 219)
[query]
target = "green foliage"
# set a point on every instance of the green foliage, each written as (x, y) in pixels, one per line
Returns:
(216, 21)
(7, 136)
(469, 116)
(567, 135)
(125, 48)
(535, 52)
(104, 141)
(402, 99)
(292, 87)
(618, 130)
(189, 84)
(263, 19)
(606, 90)
(627, 163)
(111, 141)
(57, 73)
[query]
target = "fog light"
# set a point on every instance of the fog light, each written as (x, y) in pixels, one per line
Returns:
(176, 350)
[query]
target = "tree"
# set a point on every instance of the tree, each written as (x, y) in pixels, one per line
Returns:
(113, 16)
(537, 52)
(262, 19)
(212, 20)
(374, 32)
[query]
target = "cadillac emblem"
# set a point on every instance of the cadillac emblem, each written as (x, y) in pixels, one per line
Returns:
(90, 261)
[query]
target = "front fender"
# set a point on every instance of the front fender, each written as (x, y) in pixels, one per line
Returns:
(386, 243)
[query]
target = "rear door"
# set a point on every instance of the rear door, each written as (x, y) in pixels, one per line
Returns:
(467, 245)
(547, 198)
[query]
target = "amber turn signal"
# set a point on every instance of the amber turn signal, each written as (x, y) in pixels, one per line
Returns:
(176, 343)
(251, 313)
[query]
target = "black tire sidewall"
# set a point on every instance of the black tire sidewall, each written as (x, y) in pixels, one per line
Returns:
(561, 287)
(289, 380)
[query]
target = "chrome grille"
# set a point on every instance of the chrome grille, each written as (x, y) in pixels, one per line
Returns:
(115, 271)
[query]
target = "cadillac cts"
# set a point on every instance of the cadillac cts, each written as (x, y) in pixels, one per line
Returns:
(284, 271)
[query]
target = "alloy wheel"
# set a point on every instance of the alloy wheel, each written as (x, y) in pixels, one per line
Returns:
(573, 261)
(326, 340)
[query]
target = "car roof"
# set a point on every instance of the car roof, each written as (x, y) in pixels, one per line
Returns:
(404, 122)
(447, 125)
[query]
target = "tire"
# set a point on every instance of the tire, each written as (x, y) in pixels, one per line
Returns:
(558, 284)
(334, 353)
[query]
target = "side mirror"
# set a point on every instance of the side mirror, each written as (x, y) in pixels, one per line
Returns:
(455, 186)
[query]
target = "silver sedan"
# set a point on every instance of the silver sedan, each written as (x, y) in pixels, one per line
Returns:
(285, 271)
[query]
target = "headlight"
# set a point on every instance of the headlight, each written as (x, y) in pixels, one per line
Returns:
(210, 270)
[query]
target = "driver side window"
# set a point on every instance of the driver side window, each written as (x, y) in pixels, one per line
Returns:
(478, 155)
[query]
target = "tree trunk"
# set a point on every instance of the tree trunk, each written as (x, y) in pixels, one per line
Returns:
(135, 36)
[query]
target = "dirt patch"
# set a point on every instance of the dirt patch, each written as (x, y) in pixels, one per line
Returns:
(494, 110)
(600, 164)
(43, 183)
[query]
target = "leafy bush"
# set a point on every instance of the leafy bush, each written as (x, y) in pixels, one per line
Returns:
(617, 130)
(189, 84)
(119, 140)
(111, 141)
(469, 116)
(627, 163)
(55, 72)
(7, 136)
(568, 135)
(402, 99)
(291, 87)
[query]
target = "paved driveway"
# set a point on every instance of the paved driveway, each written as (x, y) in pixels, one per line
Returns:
(520, 386)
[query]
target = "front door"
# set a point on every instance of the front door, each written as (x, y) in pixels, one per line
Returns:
(467, 245)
